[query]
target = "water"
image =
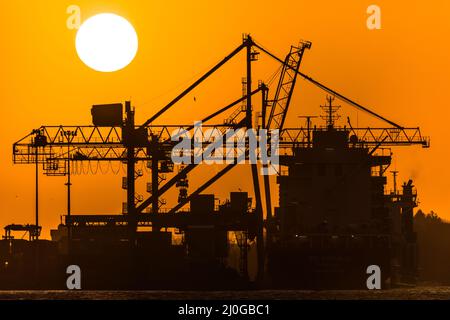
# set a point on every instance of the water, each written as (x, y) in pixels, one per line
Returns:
(417, 293)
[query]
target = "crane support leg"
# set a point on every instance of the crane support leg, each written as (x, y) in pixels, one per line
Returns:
(254, 168)
(266, 176)
(131, 207)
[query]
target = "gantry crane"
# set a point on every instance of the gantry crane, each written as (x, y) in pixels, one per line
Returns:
(55, 147)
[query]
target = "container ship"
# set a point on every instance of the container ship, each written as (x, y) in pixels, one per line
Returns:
(336, 218)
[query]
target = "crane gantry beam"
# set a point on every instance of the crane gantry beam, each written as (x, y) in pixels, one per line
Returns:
(370, 137)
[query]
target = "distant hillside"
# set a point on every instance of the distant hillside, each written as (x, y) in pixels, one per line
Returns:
(434, 247)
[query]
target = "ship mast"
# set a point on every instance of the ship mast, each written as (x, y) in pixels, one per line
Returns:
(331, 112)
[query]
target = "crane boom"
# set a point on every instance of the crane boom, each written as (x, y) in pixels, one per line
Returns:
(195, 84)
(285, 87)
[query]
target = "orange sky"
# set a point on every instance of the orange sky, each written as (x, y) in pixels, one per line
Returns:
(400, 72)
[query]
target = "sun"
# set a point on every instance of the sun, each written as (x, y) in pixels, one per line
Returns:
(106, 42)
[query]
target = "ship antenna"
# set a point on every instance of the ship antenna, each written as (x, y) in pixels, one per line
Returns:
(331, 112)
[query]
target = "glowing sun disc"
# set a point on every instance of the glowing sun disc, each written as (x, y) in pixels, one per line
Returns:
(106, 42)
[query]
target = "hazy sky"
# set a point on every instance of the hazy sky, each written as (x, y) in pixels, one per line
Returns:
(400, 71)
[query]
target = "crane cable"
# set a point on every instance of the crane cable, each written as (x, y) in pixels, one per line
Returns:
(327, 89)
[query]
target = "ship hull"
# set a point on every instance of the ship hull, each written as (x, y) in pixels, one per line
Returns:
(302, 266)
(38, 266)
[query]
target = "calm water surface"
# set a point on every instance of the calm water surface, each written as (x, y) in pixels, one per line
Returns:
(393, 294)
